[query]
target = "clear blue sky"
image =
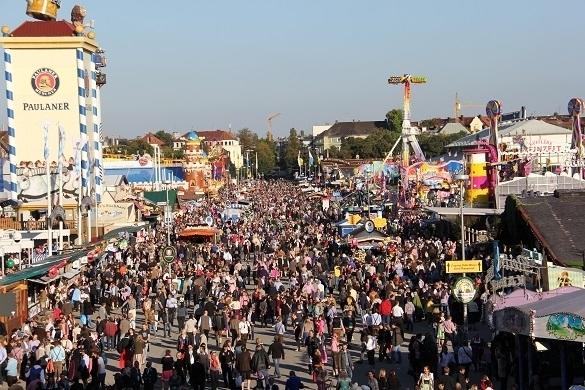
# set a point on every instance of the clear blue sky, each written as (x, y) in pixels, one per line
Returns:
(206, 64)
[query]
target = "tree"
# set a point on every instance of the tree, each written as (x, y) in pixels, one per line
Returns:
(138, 147)
(291, 151)
(433, 145)
(165, 137)
(248, 139)
(266, 156)
(394, 118)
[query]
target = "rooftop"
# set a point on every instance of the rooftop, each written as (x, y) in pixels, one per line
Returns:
(354, 128)
(216, 135)
(533, 127)
(31, 28)
(153, 139)
(558, 222)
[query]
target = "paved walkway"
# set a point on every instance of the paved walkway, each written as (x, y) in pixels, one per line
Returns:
(296, 361)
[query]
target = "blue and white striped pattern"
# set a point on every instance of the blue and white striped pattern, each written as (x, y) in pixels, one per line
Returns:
(11, 130)
(96, 120)
(82, 118)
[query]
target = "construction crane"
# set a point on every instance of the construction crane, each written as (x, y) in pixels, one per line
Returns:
(269, 120)
(458, 106)
(408, 137)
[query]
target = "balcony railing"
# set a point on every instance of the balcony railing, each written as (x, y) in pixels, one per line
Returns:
(9, 223)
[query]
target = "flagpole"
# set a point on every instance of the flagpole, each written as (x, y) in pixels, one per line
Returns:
(60, 169)
(49, 188)
(79, 194)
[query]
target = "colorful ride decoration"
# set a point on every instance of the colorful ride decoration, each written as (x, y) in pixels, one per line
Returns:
(427, 176)
(482, 162)
(196, 165)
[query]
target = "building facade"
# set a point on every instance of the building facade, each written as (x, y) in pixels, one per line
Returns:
(227, 141)
(53, 78)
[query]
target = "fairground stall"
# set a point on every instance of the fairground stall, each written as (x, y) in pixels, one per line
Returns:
(544, 338)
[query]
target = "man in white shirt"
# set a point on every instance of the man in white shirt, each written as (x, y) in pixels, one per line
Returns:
(244, 329)
(397, 313)
(371, 345)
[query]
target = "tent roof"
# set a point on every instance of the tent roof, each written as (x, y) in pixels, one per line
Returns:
(531, 127)
(521, 296)
(161, 196)
(561, 303)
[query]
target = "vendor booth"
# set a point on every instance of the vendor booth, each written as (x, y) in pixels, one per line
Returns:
(555, 319)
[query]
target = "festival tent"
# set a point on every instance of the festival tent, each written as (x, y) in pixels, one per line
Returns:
(555, 316)
(521, 296)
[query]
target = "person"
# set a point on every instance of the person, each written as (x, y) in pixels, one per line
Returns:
(36, 373)
(371, 345)
(57, 356)
(149, 376)
(135, 376)
(198, 375)
(167, 363)
(426, 380)
(465, 357)
(139, 350)
(3, 359)
(321, 376)
(214, 370)
(373, 381)
(346, 361)
(100, 370)
(276, 351)
(445, 379)
(244, 366)
(293, 382)
(260, 362)
(11, 369)
(227, 358)
(394, 381)
(382, 379)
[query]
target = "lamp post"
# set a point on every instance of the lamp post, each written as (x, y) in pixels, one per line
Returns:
(168, 213)
(248, 162)
(462, 179)
(368, 174)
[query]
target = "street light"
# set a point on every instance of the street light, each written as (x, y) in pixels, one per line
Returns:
(368, 174)
(248, 162)
(462, 179)
(168, 213)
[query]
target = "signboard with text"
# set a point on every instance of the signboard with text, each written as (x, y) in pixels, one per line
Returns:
(463, 266)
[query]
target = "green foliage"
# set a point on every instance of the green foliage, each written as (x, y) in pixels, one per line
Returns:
(136, 147)
(248, 139)
(165, 137)
(433, 123)
(376, 145)
(291, 151)
(266, 156)
(169, 152)
(394, 118)
(433, 145)
(263, 148)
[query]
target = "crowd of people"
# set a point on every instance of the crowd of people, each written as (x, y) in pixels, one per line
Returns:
(231, 311)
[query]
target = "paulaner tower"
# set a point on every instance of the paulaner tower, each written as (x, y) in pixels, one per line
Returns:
(53, 79)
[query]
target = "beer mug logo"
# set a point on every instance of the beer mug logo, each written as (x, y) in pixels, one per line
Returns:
(45, 82)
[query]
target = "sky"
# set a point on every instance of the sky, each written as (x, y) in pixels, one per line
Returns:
(210, 64)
